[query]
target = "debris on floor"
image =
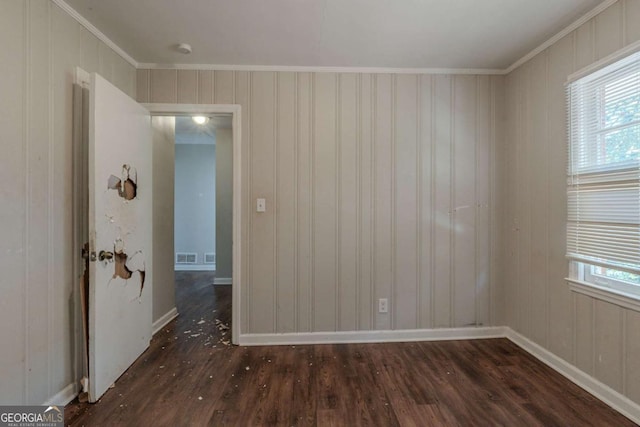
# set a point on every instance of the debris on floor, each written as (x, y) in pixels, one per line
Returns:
(221, 325)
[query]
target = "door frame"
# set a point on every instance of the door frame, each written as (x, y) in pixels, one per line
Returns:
(236, 267)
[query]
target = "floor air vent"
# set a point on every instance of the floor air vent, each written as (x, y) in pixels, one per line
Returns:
(186, 258)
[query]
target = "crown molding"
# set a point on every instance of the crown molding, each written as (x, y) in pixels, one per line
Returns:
(318, 69)
(96, 32)
(311, 69)
(564, 32)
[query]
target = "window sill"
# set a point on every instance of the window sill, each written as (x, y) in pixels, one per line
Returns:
(613, 296)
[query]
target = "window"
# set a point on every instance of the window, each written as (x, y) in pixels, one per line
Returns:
(603, 185)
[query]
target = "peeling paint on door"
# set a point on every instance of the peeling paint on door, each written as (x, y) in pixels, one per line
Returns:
(125, 265)
(127, 184)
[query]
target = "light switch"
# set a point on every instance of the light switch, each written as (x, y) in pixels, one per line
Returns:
(261, 205)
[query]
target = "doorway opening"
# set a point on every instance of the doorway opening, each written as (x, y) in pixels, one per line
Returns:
(197, 219)
(203, 199)
(123, 227)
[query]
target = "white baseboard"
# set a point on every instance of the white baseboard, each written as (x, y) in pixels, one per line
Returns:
(63, 397)
(611, 397)
(194, 267)
(164, 320)
(616, 400)
(222, 281)
(402, 335)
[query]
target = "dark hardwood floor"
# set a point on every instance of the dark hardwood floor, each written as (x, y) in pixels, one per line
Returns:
(190, 376)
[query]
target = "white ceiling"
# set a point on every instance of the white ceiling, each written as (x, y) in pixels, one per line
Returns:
(489, 34)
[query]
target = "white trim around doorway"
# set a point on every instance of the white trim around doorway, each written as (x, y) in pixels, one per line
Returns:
(235, 111)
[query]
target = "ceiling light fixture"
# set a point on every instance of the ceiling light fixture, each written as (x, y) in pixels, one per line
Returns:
(184, 48)
(200, 119)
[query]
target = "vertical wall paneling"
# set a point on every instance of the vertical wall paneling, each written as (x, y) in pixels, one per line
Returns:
(163, 87)
(608, 344)
(632, 355)
(106, 58)
(482, 250)
(393, 304)
(584, 335)
(40, 352)
(14, 86)
(584, 51)
(508, 224)
(324, 202)
(341, 146)
(609, 30)
(560, 303)
(539, 189)
(523, 211)
(497, 207)
(205, 87)
(164, 182)
(65, 57)
(517, 228)
(348, 197)
(275, 198)
(464, 201)
(89, 51)
(442, 200)
(243, 98)
(142, 86)
(43, 45)
(303, 201)
(405, 207)
(223, 87)
(631, 16)
(383, 196)
(37, 126)
(374, 216)
(593, 335)
(365, 202)
(187, 87)
(426, 192)
(122, 76)
(362, 173)
(286, 169)
(262, 276)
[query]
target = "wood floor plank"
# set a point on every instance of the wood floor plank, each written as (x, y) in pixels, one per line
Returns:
(190, 376)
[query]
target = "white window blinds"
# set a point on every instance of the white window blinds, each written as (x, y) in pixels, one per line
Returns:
(603, 186)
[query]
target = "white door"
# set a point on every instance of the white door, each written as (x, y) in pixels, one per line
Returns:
(120, 216)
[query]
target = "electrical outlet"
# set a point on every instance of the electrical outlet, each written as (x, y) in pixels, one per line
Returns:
(383, 305)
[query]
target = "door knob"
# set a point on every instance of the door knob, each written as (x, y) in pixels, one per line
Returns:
(105, 255)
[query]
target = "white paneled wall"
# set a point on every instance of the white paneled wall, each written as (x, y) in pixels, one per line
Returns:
(377, 186)
(598, 337)
(41, 46)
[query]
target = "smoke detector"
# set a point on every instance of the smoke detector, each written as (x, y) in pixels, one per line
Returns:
(184, 48)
